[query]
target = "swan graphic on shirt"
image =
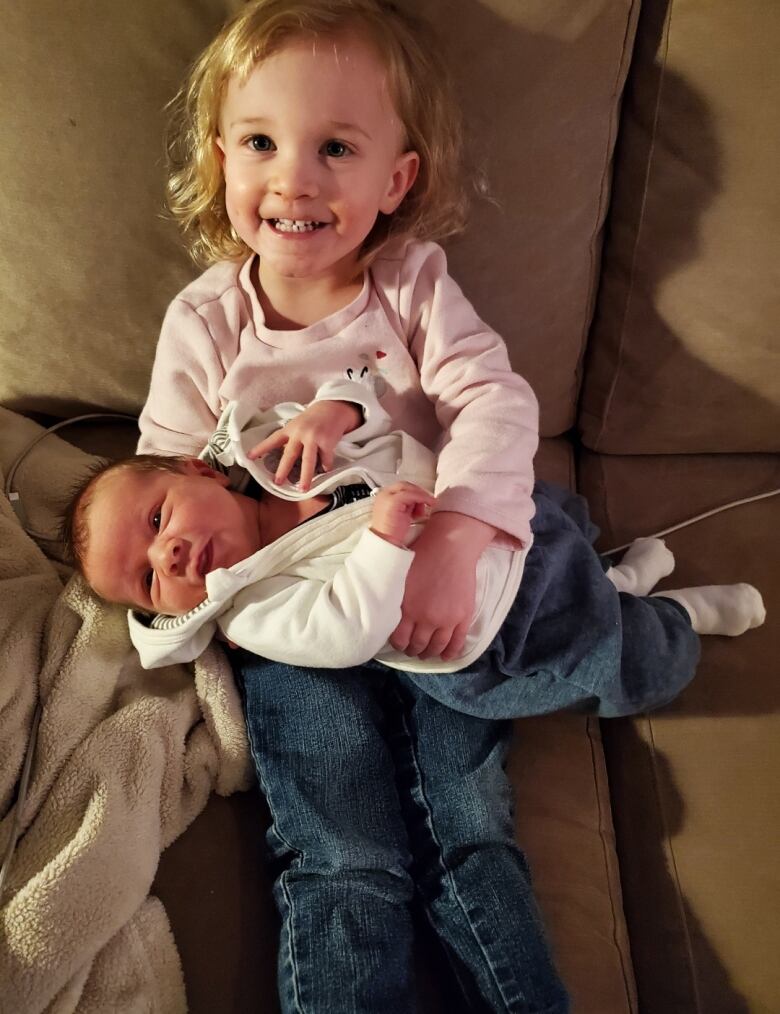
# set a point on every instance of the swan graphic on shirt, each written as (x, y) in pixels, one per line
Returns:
(369, 372)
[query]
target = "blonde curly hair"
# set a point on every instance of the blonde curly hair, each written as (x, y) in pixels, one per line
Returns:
(436, 204)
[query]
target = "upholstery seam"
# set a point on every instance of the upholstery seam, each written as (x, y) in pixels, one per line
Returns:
(637, 240)
(605, 194)
(630, 994)
(674, 869)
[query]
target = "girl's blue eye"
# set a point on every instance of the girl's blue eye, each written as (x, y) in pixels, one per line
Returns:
(336, 149)
(261, 142)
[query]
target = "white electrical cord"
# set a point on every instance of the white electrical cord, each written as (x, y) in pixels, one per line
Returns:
(698, 517)
(13, 496)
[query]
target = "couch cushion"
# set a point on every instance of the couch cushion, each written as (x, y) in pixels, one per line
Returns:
(684, 353)
(540, 83)
(695, 787)
(564, 824)
(89, 264)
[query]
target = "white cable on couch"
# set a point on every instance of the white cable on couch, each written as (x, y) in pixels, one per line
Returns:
(698, 517)
(13, 496)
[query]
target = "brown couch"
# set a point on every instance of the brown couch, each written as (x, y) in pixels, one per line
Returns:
(631, 261)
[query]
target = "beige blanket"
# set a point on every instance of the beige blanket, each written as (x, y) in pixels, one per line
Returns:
(124, 761)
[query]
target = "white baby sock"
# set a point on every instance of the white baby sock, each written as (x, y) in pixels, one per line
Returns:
(729, 609)
(643, 565)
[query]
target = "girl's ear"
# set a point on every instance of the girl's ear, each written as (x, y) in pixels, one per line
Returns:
(219, 145)
(407, 166)
(195, 466)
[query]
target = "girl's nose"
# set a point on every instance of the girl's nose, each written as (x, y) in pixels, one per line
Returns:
(295, 178)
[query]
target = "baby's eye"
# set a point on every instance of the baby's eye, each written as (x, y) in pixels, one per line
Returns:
(156, 520)
(260, 142)
(335, 149)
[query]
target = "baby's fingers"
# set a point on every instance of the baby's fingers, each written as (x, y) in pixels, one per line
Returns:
(411, 494)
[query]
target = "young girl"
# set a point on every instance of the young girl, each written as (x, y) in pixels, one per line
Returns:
(317, 156)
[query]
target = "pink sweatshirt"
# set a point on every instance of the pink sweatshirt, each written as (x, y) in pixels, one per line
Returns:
(438, 371)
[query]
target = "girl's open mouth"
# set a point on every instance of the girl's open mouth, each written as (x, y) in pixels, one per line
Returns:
(294, 225)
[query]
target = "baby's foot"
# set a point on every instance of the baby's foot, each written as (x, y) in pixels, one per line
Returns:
(644, 563)
(729, 609)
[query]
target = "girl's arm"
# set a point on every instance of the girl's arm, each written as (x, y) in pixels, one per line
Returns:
(489, 418)
(182, 407)
(488, 414)
(438, 604)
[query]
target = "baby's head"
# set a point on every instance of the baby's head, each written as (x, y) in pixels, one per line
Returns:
(146, 530)
(292, 112)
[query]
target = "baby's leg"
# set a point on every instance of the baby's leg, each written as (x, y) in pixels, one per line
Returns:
(337, 838)
(660, 644)
(728, 609)
(469, 871)
(644, 564)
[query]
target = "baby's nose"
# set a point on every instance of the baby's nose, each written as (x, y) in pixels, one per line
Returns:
(172, 557)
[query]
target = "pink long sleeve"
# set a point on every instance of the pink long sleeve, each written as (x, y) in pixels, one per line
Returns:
(488, 414)
(438, 371)
(184, 399)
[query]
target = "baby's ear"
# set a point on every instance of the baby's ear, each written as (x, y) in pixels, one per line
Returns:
(195, 466)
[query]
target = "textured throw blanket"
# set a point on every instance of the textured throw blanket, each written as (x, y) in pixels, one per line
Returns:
(125, 760)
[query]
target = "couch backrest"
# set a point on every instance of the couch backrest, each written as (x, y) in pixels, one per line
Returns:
(684, 355)
(89, 264)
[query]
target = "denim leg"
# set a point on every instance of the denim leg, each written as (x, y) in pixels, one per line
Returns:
(337, 839)
(471, 875)
(570, 641)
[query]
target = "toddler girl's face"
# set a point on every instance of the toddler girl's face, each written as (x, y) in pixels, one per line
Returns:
(312, 153)
(153, 536)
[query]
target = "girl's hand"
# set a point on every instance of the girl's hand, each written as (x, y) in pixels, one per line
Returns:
(311, 435)
(396, 507)
(438, 604)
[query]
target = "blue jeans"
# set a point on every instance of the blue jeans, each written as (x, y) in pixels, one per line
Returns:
(377, 791)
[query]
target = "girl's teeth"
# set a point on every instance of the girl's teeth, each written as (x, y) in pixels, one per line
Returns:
(293, 225)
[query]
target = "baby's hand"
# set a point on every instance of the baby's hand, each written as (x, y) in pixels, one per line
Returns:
(311, 435)
(396, 507)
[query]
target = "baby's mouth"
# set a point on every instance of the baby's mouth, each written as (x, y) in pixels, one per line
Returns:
(294, 224)
(204, 560)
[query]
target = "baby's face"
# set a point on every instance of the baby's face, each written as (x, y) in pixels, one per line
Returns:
(153, 536)
(312, 150)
